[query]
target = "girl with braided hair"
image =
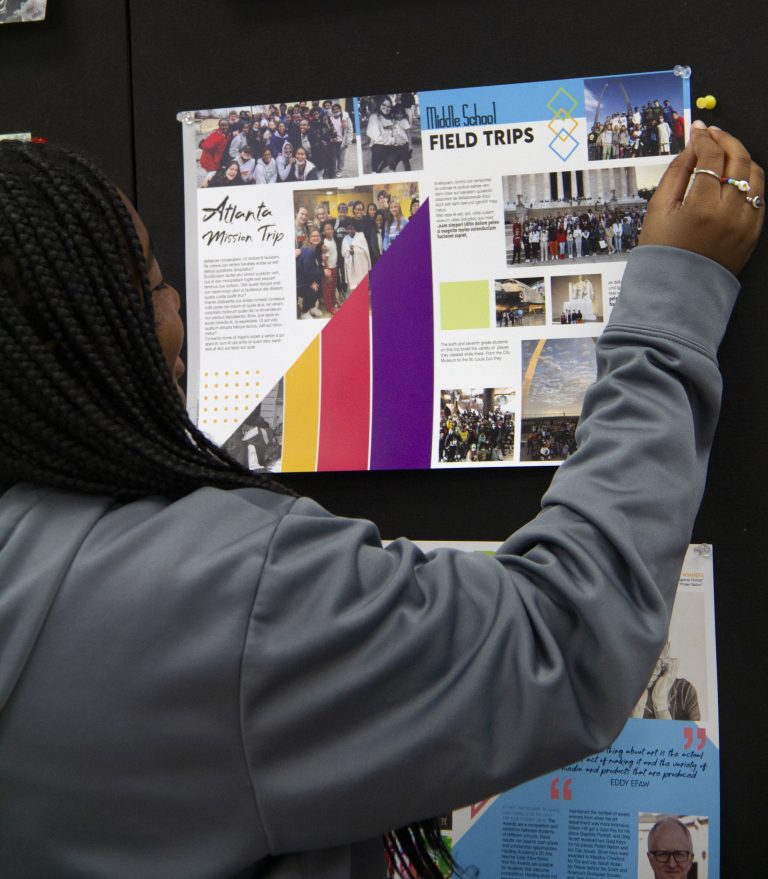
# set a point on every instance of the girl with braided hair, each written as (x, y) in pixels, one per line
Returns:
(202, 675)
(91, 331)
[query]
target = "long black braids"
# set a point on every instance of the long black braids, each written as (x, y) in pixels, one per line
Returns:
(87, 402)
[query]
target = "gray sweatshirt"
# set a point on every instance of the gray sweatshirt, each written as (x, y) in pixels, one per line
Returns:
(242, 680)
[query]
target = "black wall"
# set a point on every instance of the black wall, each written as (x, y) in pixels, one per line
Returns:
(69, 79)
(109, 77)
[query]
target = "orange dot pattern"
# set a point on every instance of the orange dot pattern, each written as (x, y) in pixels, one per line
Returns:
(227, 396)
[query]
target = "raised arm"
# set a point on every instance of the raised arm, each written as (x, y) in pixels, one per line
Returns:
(388, 686)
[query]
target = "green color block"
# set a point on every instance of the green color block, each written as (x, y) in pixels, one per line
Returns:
(464, 305)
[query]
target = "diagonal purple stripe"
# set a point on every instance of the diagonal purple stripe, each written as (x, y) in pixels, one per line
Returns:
(402, 338)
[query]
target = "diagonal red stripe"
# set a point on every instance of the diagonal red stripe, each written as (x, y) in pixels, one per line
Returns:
(345, 390)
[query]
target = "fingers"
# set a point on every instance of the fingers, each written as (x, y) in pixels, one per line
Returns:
(673, 185)
(757, 179)
(710, 156)
(711, 218)
(737, 166)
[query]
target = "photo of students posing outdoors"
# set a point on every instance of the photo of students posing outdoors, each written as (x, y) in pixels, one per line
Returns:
(576, 215)
(634, 116)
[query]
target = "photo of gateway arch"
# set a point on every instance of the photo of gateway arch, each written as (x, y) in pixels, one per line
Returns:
(609, 95)
(634, 116)
(600, 101)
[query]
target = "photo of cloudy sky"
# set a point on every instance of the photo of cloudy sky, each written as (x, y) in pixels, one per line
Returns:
(556, 375)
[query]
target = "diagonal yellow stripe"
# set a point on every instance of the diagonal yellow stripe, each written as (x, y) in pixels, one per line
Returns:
(302, 412)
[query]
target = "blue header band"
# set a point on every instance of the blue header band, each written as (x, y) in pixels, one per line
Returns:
(501, 104)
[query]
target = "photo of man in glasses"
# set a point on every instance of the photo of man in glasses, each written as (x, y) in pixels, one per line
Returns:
(670, 848)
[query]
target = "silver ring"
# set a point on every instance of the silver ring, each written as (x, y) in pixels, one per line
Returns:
(757, 201)
(706, 171)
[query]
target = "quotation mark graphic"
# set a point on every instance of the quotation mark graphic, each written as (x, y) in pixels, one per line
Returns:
(688, 736)
(476, 807)
(554, 788)
(562, 124)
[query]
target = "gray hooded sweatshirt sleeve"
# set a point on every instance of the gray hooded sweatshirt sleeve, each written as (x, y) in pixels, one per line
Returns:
(240, 679)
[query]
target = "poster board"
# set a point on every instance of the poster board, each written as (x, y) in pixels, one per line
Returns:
(505, 216)
(593, 817)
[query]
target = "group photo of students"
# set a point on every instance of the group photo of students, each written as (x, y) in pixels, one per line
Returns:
(655, 129)
(277, 143)
(635, 116)
(548, 439)
(477, 425)
(339, 237)
(571, 234)
(578, 213)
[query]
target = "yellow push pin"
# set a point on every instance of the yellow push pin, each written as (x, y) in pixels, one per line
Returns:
(706, 103)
